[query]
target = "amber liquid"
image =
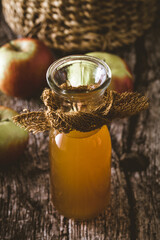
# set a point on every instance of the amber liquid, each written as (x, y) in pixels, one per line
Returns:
(80, 172)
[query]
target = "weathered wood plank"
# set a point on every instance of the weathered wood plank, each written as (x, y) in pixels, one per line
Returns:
(143, 139)
(145, 184)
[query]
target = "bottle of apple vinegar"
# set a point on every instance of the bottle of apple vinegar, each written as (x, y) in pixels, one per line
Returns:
(80, 162)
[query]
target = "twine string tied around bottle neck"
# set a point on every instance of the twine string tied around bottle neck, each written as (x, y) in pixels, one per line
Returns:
(114, 105)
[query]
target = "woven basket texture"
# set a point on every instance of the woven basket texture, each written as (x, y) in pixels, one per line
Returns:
(80, 25)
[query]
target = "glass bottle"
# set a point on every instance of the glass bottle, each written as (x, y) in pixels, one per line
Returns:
(80, 162)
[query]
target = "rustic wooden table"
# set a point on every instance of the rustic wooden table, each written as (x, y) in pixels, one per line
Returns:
(26, 211)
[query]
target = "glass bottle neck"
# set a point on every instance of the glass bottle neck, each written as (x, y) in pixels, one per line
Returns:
(81, 101)
(79, 81)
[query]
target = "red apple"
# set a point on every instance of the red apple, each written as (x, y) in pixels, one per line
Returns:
(23, 66)
(13, 139)
(122, 78)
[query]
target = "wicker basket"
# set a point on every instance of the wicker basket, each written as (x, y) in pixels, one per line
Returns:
(80, 25)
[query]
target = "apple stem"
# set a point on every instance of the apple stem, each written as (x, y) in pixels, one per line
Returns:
(14, 47)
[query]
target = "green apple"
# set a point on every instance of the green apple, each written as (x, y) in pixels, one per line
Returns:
(81, 74)
(23, 66)
(122, 78)
(13, 139)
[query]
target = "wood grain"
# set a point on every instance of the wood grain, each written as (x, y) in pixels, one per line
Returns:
(26, 210)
